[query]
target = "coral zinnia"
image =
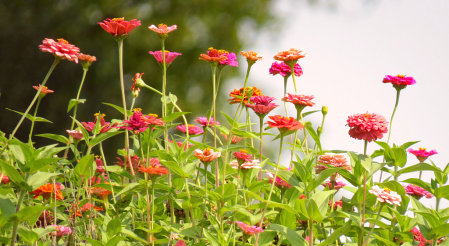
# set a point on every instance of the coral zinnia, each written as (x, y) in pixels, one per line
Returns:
(135, 123)
(284, 123)
(207, 155)
(242, 156)
(251, 56)
(100, 192)
(44, 90)
(417, 192)
(368, 127)
(61, 49)
(399, 81)
(422, 154)
(203, 122)
(118, 26)
(284, 70)
(386, 195)
(86, 60)
(49, 191)
(262, 105)
(237, 95)
(234, 139)
(193, 130)
(105, 126)
(169, 56)
(297, 99)
(247, 229)
(332, 160)
(214, 55)
(154, 171)
(152, 120)
(290, 56)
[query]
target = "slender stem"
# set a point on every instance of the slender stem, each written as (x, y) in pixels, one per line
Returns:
(16, 223)
(249, 123)
(285, 93)
(310, 231)
(214, 69)
(394, 111)
(190, 208)
(149, 146)
(364, 185)
(107, 172)
(261, 144)
(153, 183)
(33, 121)
(292, 69)
(205, 198)
(373, 225)
(204, 133)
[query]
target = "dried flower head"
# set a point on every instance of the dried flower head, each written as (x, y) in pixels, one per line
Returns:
(61, 49)
(368, 127)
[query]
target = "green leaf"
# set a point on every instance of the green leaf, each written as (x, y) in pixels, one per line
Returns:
(351, 178)
(394, 186)
(289, 177)
(322, 177)
(30, 117)
(173, 116)
(115, 240)
(14, 175)
(337, 234)
(74, 102)
(314, 135)
(100, 138)
(127, 188)
(34, 166)
(114, 227)
(42, 232)
(418, 167)
(287, 219)
(442, 191)
(292, 236)
(366, 162)
(83, 130)
(133, 235)
(408, 144)
(27, 213)
(39, 178)
(266, 238)
(92, 241)
(120, 109)
(211, 238)
(85, 168)
(7, 207)
(59, 138)
(310, 112)
(245, 134)
(321, 199)
(25, 149)
(175, 168)
(27, 235)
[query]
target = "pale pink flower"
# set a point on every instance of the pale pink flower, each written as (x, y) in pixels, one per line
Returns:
(334, 186)
(249, 164)
(417, 192)
(75, 134)
(249, 230)
(279, 182)
(297, 99)
(368, 127)
(207, 155)
(332, 160)
(203, 122)
(61, 230)
(61, 49)
(422, 154)
(169, 56)
(399, 80)
(162, 29)
(284, 70)
(193, 130)
(386, 195)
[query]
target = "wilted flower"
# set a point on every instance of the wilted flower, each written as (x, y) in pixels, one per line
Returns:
(105, 126)
(44, 90)
(162, 30)
(386, 195)
(135, 122)
(247, 229)
(49, 191)
(230, 60)
(118, 27)
(284, 70)
(61, 49)
(279, 182)
(237, 95)
(368, 127)
(417, 192)
(204, 123)
(61, 230)
(290, 56)
(46, 218)
(207, 155)
(399, 81)
(422, 154)
(262, 105)
(234, 140)
(302, 100)
(193, 130)
(284, 123)
(334, 185)
(86, 60)
(214, 55)
(169, 56)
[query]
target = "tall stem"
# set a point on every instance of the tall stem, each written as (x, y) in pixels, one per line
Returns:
(310, 224)
(364, 185)
(107, 172)
(153, 183)
(285, 93)
(205, 198)
(33, 121)
(16, 223)
(249, 123)
(372, 227)
(261, 143)
(214, 69)
(394, 111)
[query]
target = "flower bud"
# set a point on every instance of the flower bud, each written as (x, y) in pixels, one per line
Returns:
(249, 92)
(324, 110)
(135, 93)
(319, 130)
(298, 142)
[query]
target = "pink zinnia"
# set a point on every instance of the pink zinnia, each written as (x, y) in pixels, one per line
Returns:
(386, 195)
(118, 26)
(61, 49)
(422, 154)
(368, 127)
(279, 182)
(75, 134)
(297, 99)
(193, 130)
(332, 160)
(230, 60)
(262, 105)
(247, 165)
(399, 80)
(284, 70)
(135, 123)
(61, 230)
(334, 186)
(207, 155)
(336, 204)
(169, 56)
(417, 235)
(162, 29)
(203, 122)
(242, 156)
(249, 230)
(105, 126)
(417, 192)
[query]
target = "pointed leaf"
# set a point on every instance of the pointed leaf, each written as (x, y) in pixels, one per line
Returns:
(74, 102)
(59, 138)
(292, 236)
(314, 135)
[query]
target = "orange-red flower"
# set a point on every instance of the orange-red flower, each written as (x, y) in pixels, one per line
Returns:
(154, 171)
(101, 192)
(291, 55)
(118, 26)
(237, 95)
(251, 55)
(152, 120)
(297, 99)
(207, 155)
(44, 90)
(61, 49)
(5, 179)
(86, 60)
(49, 191)
(214, 55)
(234, 140)
(284, 123)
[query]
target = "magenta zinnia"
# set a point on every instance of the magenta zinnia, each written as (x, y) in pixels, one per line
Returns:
(262, 105)
(193, 130)
(422, 154)
(230, 60)
(284, 70)
(204, 123)
(169, 56)
(368, 127)
(105, 126)
(135, 123)
(247, 229)
(417, 192)
(61, 49)
(399, 80)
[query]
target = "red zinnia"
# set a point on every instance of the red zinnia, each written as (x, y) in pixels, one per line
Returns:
(49, 191)
(61, 49)
(214, 55)
(242, 156)
(368, 127)
(262, 105)
(118, 26)
(105, 126)
(284, 123)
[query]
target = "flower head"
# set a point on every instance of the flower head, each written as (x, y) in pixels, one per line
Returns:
(162, 30)
(290, 56)
(193, 130)
(418, 236)
(284, 70)
(324, 161)
(105, 126)
(86, 60)
(245, 166)
(386, 195)
(136, 162)
(399, 81)
(234, 139)
(207, 155)
(301, 100)
(279, 182)
(368, 127)
(46, 218)
(417, 192)
(86, 208)
(334, 185)
(242, 156)
(336, 204)
(135, 123)
(75, 134)
(247, 229)
(118, 27)
(262, 105)
(251, 57)
(61, 230)
(44, 90)
(237, 95)
(169, 56)
(154, 171)
(152, 120)
(49, 191)
(284, 123)
(422, 154)
(204, 123)
(230, 60)
(100, 192)
(137, 83)
(214, 55)
(61, 49)
(5, 179)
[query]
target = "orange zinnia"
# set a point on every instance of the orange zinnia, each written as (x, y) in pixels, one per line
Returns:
(48, 191)
(239, 93)
(284, 123)
(101, 192)
(214, 55)
(291, 55)
(154, 171)
(251, 55)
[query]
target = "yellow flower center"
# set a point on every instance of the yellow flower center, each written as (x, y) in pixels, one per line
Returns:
(223, 52)
(387, 190)
(422, 149)
(118, 19)
(45, 88)
(401, 75)
(137, 109)
(190, 125)
(97, 114)
(153, 115)
(243, 151)
(61, 40)
(162, 25)
(98, 157)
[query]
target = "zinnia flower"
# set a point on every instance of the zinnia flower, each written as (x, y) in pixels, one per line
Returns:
(180, 242)
(284, 70)
(417, 192)
(234, 140)
(230, 60)
(336, 204)
(284, 123)
(386, 195)
(214, 55)
(5, 179)
(105, 126)
(49, 191)
(368, 127)
(152, 120)
(251, 57)
(118, 27)
(61, 231)
(137, 162)
(203, 121)
(417, 235)
(262, 105)
(237, 95)
(75, 134)
(334, 185)
(86, 60)
(100, 192)
(279, 182)
(61, 49)
(135, 122)
(44, 90)
(207, 155)
(154, 171)
(193, 130)
(250, 164)
(297, 99)
(162, 30)
(242, 156)
(332, 160)
(290, 56)
(169, 56)
(247, 229)
(422, 154)
(399, 81)
(46, 218)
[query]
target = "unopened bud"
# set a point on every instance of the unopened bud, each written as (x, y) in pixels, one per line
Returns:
(135, 93)
(298, 142)
(324, 110)
(249, 92)
(319, 130)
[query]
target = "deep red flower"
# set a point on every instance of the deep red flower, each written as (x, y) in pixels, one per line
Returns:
(368, 127)
(284, 123)
(105, 126)
(118, 26)
(61, 49)
(5, 179)
(214, 55)
(135, 122)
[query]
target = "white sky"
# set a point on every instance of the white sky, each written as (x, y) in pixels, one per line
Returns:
(349, 51)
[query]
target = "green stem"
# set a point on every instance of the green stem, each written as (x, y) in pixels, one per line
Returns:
(310, 231)
(153, 183)
(292, 69)
(132, 103)
(373, 225)
(188, 196)
(394, 111)
(33, 121)
(205, 199)
(364, 185)
(214, 69)
(285, 93)
(261, 144)
(107, 172)
(249, 123)
(16, 223)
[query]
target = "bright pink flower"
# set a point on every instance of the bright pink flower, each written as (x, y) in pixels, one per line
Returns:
(61, 230)
(180, 144)
(417, 192)
(61, 49)
(135, 123)
(284, 123)
(297, 99)
(386, 195)
(334, 186)
(422, 154)
(262, 105)
(207, 155)
(169, 56)
(249, 230)
(75, 134)
(399, 80)
(203, 122)
(180, 243)
(136, 162)
(242, 156)
(336, 204)
(417, 235)
(284, 70)
(193, 130)
(118, 26)
(230, 60)
(279, 182)
(105, 126)
(369, 127)
(162, 29)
